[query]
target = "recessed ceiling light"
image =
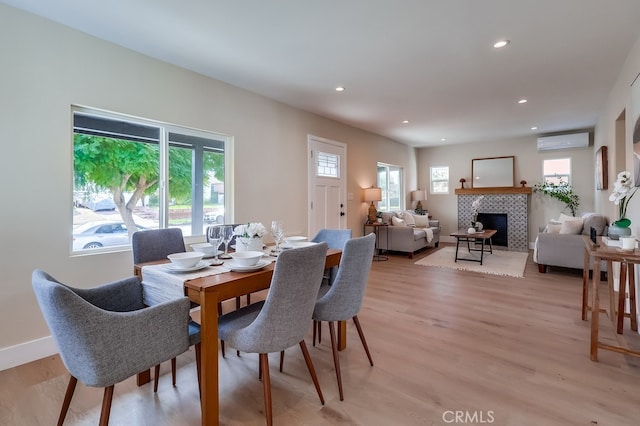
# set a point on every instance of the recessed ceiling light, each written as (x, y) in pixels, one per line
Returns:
(405, 121)
(442, 139)
(534, 128)
(340, 89)
(522, 101)
(501, 43)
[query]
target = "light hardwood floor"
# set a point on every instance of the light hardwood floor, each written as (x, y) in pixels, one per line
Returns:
(504, 351)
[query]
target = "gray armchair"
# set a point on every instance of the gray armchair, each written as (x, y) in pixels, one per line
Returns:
(106, 334)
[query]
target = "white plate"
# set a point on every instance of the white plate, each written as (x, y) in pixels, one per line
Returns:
(200, 265)
(241, 268)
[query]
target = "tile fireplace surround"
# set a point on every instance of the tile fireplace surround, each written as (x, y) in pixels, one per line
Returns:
(513, 203)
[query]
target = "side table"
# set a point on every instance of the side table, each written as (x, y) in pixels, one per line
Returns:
(379, 253)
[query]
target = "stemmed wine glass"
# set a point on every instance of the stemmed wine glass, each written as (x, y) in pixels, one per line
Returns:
(215, 235)
(277, 230)
(227, 236)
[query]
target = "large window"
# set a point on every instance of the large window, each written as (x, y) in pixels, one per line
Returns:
(132, 173)
(439, 180)
(391, 182)
(556, 171)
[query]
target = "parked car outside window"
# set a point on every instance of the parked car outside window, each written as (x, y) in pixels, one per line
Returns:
(93, 235)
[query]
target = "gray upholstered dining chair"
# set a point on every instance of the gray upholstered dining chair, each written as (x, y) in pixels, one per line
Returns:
(156, 244)
(335, 239)
(106, 334)
(343, 299)
(282, 319)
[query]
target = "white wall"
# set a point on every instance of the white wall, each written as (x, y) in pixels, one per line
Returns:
(528, 166)
(46, 68)
(619, 102)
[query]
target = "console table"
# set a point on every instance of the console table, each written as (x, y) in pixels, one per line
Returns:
(628, 259)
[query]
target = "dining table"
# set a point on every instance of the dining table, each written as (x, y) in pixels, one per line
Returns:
(206, 291)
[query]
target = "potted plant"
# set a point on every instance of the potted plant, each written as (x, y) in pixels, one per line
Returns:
(561, 191)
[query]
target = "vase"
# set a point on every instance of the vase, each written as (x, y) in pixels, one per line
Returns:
(616, 231)
(254, 244)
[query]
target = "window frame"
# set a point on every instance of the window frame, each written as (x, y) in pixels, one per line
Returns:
(557, 177)
(433, 181)
(166, 139)
(387, 193)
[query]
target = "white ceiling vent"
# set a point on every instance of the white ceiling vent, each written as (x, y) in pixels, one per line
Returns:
(569, 140)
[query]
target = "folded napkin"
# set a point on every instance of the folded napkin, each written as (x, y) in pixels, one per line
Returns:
(161, 285)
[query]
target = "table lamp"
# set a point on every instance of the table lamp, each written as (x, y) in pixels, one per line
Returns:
(372, 195)
(419, 196)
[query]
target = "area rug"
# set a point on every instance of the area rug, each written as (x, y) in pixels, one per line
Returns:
(501, 262)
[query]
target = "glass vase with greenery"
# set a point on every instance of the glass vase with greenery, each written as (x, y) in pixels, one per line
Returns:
(561, 191)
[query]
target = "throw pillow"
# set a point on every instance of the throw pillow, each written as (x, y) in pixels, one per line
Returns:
(573, 227)
(422, 221)
(396, 221)
(553, 228)
(408, 219)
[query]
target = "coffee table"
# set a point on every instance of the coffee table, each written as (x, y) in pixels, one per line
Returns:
(477, 237)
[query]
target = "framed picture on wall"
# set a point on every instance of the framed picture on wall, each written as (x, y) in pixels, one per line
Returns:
(601, 168)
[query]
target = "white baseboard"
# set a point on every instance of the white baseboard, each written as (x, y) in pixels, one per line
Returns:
(24, 353)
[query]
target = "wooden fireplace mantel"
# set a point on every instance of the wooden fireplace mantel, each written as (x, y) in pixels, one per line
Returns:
(495, 190)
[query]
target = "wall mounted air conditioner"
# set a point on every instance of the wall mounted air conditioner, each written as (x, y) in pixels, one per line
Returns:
(569, 140)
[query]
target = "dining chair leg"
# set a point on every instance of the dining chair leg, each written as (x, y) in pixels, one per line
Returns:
(248, 299)
(266, 386)
(319, 332)
(156, 377)
(281, 360)
(315, 325)
(173, 371)
(237, 303)
(106, 406)
(222, 348)
(312, 370)
(362, 339)
(71, 387)
(259, 369)
(336, 358)
(198, 350)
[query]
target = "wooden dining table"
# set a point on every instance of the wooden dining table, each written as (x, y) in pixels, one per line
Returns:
(207, 292)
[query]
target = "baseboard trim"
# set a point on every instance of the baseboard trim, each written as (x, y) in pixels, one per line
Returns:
(24, 353)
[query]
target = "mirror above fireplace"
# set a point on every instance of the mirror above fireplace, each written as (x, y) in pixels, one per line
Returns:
(492, 172)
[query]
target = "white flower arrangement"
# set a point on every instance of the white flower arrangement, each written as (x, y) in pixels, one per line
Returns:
(250, 230)
(622, 193)
(475, 206)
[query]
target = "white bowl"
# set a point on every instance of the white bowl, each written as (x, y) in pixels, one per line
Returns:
(187, 259)
(207, 248)
(246, 258)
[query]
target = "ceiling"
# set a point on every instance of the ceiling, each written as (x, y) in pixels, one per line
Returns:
(431, 62)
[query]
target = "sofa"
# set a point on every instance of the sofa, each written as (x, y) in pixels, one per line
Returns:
(408, 232)
(560, 243)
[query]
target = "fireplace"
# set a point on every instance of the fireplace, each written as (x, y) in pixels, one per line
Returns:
(497, 221)
(512, 203)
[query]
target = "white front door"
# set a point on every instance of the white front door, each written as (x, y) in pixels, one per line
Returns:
(327, 188)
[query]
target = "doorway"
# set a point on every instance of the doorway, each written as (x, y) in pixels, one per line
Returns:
(327, 189)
